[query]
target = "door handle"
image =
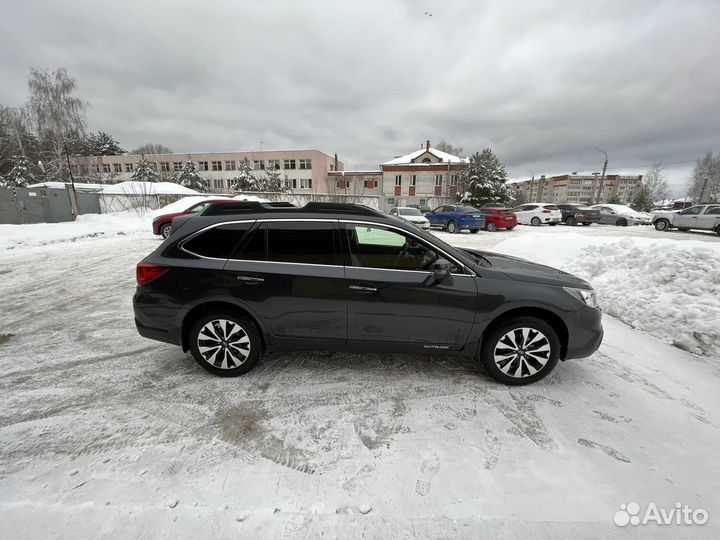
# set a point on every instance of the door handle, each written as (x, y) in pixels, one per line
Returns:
(363, 289)
(250, 279)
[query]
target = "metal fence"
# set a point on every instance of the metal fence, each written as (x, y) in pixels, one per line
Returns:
(40, 205)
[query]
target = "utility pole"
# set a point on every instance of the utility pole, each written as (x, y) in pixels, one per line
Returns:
(72, 181)
(602, 176)
(261, 145)
(702, 192)
(532, 181)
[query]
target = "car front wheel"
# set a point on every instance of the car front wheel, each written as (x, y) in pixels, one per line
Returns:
(571, 221)
(165, 230)
(662, 224)
(622, 222)
(225, 344)
(521, 350)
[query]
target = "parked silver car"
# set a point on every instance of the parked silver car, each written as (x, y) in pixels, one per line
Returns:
(621, 215)
(411, 215)
(705, 217)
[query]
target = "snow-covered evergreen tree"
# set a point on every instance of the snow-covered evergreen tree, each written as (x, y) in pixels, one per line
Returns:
(101, 144)
(642, 200)
(484, 180)
(145, 172)
(189, 177)
(273, 181)
(245, 180)
(19, 176)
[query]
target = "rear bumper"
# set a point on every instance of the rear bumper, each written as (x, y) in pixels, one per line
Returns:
(471, 223)
(156, 227)
(587, 219)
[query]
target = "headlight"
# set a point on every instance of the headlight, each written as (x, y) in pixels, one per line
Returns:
(586, 296)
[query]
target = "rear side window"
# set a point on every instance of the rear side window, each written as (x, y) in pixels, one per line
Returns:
(217, 242)
(714, 210)
(301, 242)
(551, 207)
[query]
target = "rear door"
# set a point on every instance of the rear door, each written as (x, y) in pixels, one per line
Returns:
(290, 274)
(392, 297)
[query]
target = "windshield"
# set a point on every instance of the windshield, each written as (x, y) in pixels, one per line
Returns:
(410, 212)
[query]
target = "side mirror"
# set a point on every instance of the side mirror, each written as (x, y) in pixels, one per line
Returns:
(441, 270)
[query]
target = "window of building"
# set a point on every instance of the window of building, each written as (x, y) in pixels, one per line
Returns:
(164, 166)
(177, 165)
(259, 165)
(217, 242)
(106, 167)
(413, 180)
(426, 160)
(274, 164)
(129, 167)
(398, 179)
(217, 165)
(203, 166)
(438, 179)
(230, 165)
(305, 164)
(301, 242)
(153, 165)
(218, 183)
(453, 180)
(306, 183)
(289, 164)
(117, 167)
(371, 183)
(291, 183)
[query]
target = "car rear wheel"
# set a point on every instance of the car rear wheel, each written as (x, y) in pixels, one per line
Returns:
(571, 221)
(662, 225)
(622, 222)
(586, 223)
(491, 227)
(165, 230)
(535, 222)
(521, 350)
(225, 344)
(474, 231)
(510, 228)
(452, 227)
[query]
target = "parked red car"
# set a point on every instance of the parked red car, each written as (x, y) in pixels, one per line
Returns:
(499, 218)
(162, 224)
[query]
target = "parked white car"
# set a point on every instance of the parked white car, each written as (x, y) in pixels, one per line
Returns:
(411, 215)
(621, 215)
(536, 214)
(705, 217)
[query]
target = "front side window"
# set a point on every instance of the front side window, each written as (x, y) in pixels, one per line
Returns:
(693, 210)
(713, 210)
(217, 242)
(374, 246)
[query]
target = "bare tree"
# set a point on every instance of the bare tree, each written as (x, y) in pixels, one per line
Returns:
(705, 180)
(448, 148)
(57, 115)
(656, 183)
(152, 148)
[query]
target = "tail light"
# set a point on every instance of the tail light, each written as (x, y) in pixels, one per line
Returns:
(146, 272)
(463, 214)
(587, 213)
(546, 211)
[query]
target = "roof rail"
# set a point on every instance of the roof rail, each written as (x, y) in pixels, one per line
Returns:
(235, 207)
(244, 207)
(316, 206)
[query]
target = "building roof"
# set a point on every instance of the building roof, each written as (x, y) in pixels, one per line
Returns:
(407, 159)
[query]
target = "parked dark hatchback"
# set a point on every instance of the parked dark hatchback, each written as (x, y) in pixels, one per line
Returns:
(231, 283)
(572, 214)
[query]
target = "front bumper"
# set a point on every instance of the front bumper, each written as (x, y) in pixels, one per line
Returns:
(585, 333)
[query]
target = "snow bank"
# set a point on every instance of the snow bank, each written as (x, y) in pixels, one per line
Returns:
(86, 226)
(667, 288)
(147, 188)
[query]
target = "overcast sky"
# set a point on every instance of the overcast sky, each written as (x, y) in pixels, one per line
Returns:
(542, 83)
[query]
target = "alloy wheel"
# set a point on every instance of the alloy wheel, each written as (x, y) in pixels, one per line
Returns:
(223, 344)
(522, 352)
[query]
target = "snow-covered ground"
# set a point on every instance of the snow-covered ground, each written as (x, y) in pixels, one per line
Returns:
(105, 434)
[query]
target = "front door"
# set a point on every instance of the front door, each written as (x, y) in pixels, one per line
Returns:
(710, 218)
(688, 218)
(290, 274)
(392, 296)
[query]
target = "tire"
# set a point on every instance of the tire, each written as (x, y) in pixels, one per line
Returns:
(452, 227)
(474, 231)
(510, 228)
(535, 222)
(662, 225)
(552, 224)
(523, 368)
(622, 222)
(571, 221)
(206, 331)
(165, 229)
(491, 227)
(586, 223)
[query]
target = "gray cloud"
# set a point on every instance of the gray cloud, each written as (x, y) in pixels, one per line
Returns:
(543, 84)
